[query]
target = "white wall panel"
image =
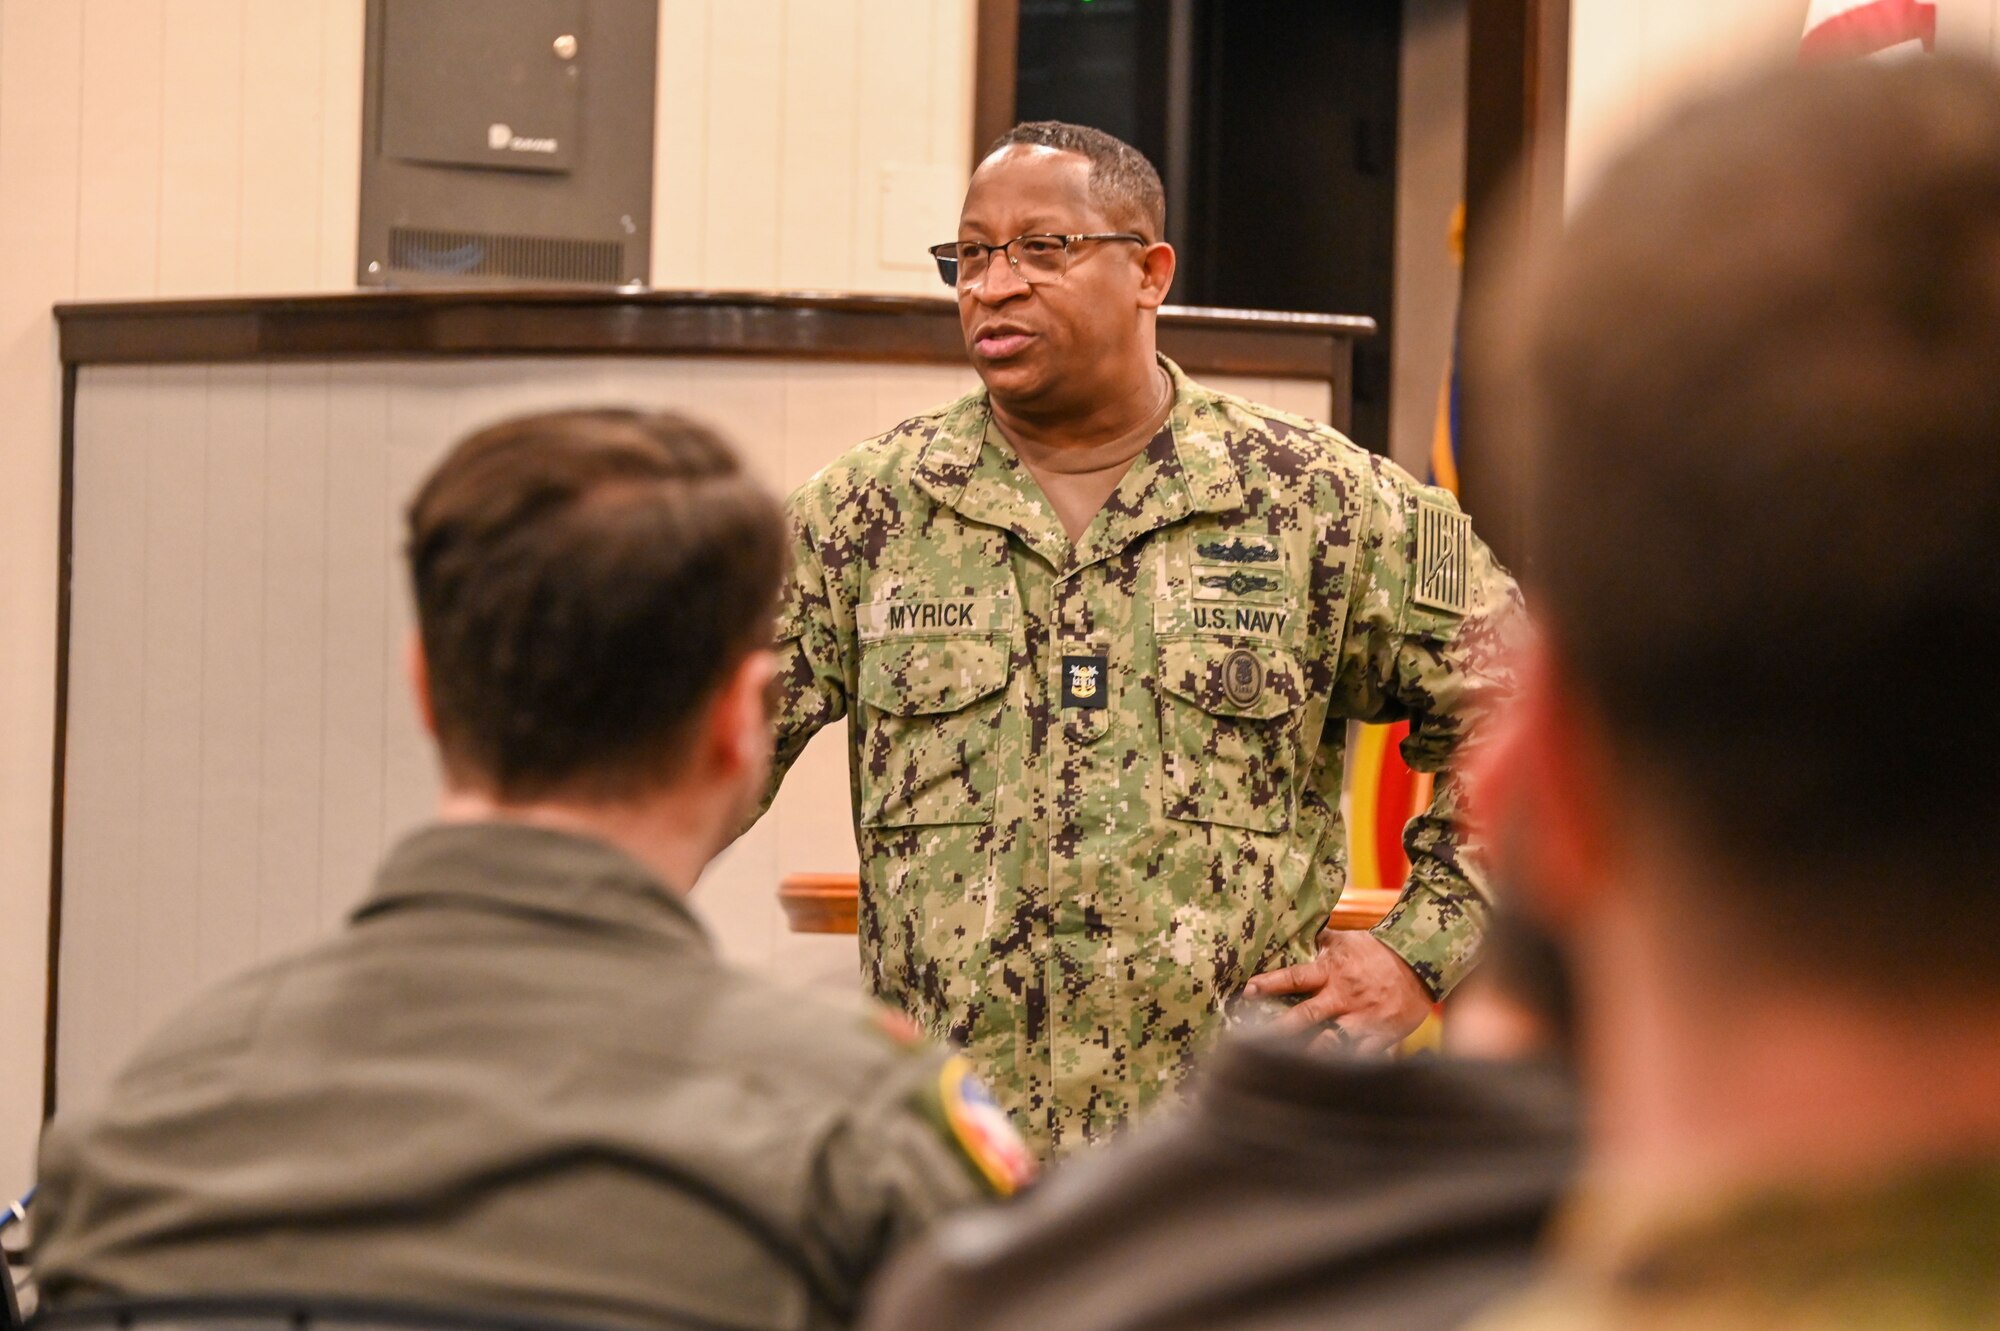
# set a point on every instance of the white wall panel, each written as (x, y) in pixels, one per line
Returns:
(680, 146)
(343, 40)
(201, 148)
(278, 204)
(165, 897)
(106, 777)
(118, 206)
(231, 578)
(355, 705)
(291, 702)
(780, 124)
(745, 123)
(819, 176)
(895, 131)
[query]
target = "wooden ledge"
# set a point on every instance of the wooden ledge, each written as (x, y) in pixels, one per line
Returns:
(510, 321)
(821, 903)
(830, 903)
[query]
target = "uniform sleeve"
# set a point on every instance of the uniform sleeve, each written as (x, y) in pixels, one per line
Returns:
(925, 1143)
(1431, 634)
(812, 679)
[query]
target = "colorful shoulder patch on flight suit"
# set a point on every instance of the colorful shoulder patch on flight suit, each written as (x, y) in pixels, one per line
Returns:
(980, 1128)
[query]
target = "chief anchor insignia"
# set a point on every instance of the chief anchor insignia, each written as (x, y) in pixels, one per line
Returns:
(1085, 681)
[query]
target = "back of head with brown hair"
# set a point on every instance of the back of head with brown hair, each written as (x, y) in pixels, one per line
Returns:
(1765, 411)
(584, 581)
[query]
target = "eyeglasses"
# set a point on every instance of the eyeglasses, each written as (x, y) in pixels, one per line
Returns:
(1034, 258)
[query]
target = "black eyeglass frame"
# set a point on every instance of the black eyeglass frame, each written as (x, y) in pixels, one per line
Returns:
(947, 253)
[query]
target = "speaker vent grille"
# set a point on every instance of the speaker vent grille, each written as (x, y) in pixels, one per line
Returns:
(479, 254)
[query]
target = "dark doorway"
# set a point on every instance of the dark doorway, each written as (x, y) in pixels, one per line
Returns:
(1098, 62)
(1273, 123)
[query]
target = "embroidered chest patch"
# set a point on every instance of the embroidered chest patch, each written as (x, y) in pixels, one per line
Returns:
(1238, 550)
(1242, 677)
(1083, 681)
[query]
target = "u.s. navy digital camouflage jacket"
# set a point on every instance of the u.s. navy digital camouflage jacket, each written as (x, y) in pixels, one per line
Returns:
(1097, 787)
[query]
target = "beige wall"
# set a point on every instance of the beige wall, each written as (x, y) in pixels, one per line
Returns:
(183, 147)
(810, 144)
(1633, 61)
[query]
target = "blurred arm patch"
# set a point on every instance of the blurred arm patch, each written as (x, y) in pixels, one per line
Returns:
(1444, 557)
(981, 1130)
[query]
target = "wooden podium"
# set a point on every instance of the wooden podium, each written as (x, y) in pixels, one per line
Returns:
(830, 903)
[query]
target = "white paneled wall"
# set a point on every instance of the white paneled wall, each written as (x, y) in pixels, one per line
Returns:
(784, 125)
(242, 745)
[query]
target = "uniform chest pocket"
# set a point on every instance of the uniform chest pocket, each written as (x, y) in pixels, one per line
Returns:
(931, 713)
(1229, 731)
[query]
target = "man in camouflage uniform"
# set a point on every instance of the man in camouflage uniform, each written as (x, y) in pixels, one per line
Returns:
(1751, 779)
(1099, 631)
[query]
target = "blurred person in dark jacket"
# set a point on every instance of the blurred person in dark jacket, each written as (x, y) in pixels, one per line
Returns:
(1292, 1189)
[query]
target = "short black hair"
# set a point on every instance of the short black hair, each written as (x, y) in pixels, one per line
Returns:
(1764, 419)
(1122, 181)
(584, 581)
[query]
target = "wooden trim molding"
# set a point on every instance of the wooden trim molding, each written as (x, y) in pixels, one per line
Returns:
(996, 51)
(830, 903)
(572, 322)
(65, 553)
(1517, 124)
(568, 321)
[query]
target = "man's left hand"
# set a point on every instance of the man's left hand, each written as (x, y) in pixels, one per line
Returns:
(1365, 995)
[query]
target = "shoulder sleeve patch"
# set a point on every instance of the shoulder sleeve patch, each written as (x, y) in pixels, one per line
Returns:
(981, 1130)
(1444, 557)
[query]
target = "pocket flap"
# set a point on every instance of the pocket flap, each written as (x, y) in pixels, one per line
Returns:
(923, 676)
(1232, 677)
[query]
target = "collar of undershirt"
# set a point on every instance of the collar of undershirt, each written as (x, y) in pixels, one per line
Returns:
(1074, 460)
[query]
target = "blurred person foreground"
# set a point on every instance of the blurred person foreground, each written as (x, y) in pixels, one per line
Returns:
(1296, 1187)
(1749, 781)
(520, 1082)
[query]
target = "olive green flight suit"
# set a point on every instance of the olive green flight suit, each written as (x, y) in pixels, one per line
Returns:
(521, 1080)
(1914, 1249)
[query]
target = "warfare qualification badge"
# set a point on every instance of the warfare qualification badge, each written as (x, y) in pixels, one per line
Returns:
(1242, 677)
(1083, 681)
